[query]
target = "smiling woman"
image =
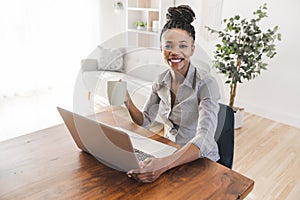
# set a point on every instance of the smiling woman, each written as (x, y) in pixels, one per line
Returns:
(183, 96)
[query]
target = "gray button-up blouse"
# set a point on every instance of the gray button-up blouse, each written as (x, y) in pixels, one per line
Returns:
(193, 118)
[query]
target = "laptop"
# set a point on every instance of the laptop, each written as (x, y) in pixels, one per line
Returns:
(115, 147)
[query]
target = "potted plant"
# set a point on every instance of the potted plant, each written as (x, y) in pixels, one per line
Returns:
(140, 25)
(118, 5)
(243, 48)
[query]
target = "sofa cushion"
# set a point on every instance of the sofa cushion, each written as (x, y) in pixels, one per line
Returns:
(110, 59)
(89, 64)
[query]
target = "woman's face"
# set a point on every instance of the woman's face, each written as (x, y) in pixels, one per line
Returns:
(177, 47)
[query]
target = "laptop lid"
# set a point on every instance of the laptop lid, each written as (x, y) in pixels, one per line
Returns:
(108, 145)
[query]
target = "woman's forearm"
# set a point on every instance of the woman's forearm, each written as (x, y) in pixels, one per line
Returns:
(187, 153)
(135, 113)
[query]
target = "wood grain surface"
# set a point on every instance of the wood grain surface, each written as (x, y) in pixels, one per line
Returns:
(48, 165)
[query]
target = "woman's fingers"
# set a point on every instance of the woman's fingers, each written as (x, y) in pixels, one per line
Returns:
(147, 172)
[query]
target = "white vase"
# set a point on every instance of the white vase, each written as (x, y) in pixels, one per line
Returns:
(238, 118)
(155, 25)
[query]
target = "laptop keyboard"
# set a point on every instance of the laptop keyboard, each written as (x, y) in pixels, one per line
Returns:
(141, 156)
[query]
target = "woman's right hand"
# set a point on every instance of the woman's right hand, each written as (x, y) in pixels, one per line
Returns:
(135, 113)
(149, 170)
(127, 99)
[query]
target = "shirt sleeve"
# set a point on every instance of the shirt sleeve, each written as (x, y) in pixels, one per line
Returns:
(151, 107)
(209, 95)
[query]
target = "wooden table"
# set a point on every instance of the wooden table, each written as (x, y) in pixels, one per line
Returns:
(48, 165)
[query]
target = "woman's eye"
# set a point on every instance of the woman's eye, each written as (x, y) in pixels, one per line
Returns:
(182, 46)
(168, 46)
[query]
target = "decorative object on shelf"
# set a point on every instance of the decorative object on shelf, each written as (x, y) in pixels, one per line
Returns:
(147, 11)
(140, 25)
(155, 25)
(118, 5)
(241, 52)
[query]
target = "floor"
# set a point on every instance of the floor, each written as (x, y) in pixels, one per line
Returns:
(269, 153)
(28, 112)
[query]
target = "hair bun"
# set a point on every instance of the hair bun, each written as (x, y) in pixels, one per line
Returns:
(182, 13)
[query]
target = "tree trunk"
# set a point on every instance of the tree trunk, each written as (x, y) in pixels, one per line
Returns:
(232, 94)
(234, 83)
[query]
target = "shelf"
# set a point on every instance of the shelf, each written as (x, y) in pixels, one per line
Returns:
(153, 13)
(144, 3)
(143, 9)
(145, 31)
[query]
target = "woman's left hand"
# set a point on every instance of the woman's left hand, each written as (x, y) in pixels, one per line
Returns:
(150, 170)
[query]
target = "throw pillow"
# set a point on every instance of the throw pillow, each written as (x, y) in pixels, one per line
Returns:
(111, 60)
(89, 64)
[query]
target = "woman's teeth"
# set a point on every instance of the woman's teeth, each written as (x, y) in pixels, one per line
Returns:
(175, 60)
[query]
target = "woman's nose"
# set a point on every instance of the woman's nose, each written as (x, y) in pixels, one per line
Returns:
(174, 50)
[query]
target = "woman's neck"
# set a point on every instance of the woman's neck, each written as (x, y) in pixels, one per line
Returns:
(178, 77)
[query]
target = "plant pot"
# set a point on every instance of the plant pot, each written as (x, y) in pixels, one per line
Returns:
(140, 27)
(238, 117)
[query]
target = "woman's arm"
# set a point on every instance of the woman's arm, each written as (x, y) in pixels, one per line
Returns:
(146, 117)
(135, 113)
(152, 168)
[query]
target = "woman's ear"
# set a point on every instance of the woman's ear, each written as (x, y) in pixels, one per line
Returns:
(193, 48)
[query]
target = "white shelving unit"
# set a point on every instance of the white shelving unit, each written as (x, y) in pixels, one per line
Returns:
(147, 11)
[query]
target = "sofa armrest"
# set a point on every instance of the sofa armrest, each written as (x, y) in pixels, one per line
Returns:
(89, 65)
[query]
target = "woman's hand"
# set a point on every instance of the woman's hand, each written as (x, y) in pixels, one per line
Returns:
(135, 113)
(127, 99)
(152, 168)
(149, 171)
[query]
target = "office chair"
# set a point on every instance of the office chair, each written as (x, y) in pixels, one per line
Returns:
(224, 135)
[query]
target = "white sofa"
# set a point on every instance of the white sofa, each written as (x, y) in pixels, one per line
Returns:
(140, 67)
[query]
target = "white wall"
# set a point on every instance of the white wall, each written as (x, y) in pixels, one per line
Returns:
(111, 22)
(44, 39)
(276, 93)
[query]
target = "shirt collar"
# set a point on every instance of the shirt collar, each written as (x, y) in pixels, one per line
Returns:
(167, 79)
(189, 79)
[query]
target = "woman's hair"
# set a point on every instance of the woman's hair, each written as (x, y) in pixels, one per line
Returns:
(180, 17)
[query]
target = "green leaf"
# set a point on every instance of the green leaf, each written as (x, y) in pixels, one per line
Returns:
(279, 36)
(237, 17)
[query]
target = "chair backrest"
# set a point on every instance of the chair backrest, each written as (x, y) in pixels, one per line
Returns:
(224, 135)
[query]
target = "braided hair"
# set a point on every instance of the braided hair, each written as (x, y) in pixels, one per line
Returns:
(180, 17)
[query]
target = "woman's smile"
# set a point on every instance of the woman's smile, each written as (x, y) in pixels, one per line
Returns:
(176, 60)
